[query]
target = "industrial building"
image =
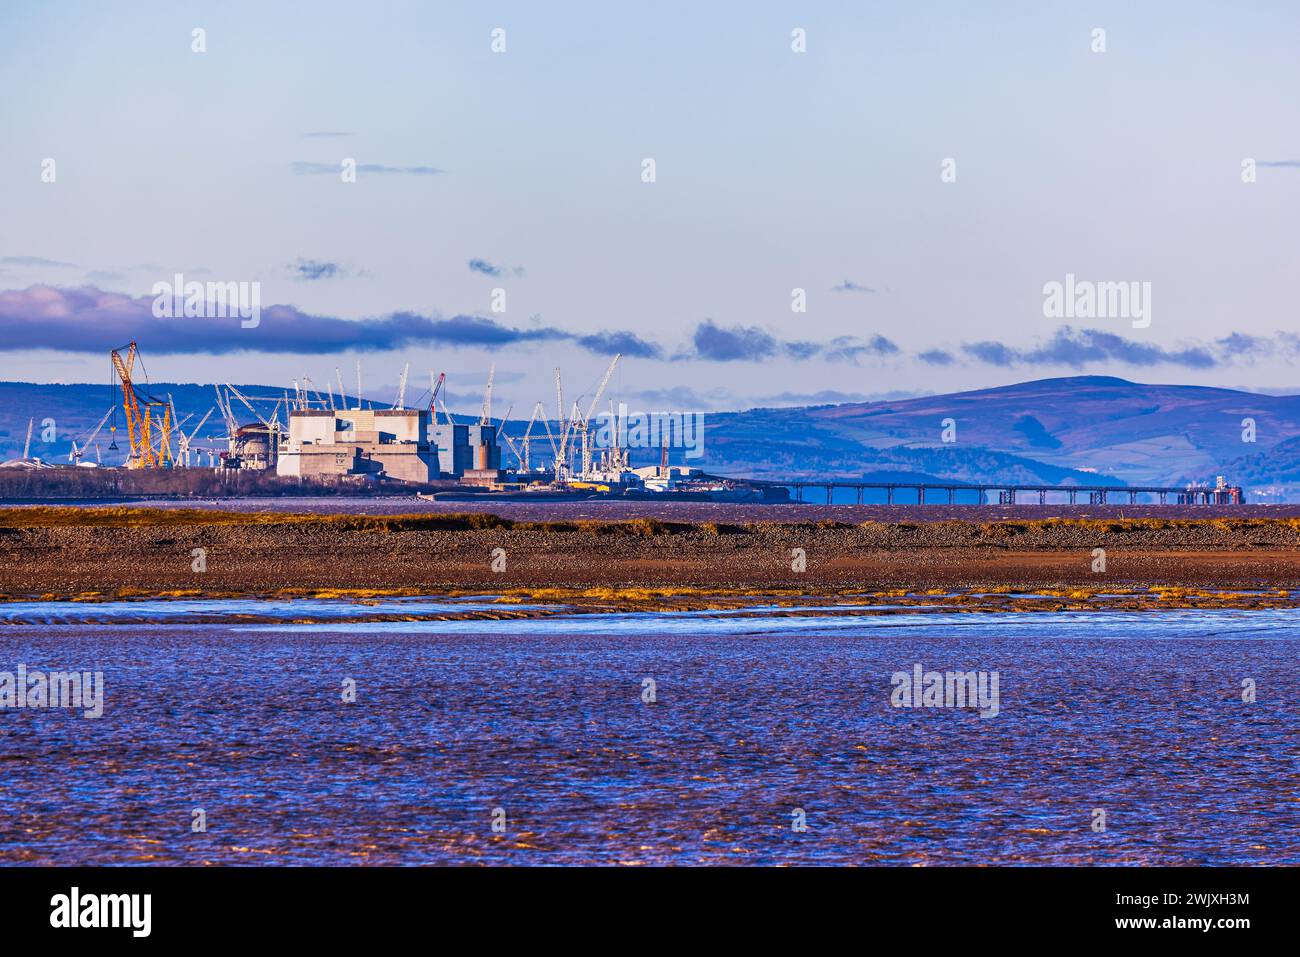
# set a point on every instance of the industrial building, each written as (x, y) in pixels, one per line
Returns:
(466, 448)
(393, 443)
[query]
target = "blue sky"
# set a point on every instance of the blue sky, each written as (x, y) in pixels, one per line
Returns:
(775, 170)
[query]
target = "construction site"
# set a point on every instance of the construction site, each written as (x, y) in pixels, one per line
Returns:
(335, 438)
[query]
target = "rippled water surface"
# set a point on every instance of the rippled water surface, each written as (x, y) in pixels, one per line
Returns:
(1140, 715)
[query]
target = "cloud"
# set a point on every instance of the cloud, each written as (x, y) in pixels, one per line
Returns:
(678, 398)
(850, 349)
(491, 269)
(301, 168)
(1240, 344)
(1076, 348)
(849, 285)
(36, 262)
(739, 343)
(1279, 163)
(936, 357)
(750, 344)
(90, 320)
(992, 353)
(310, 270)
(629, 344)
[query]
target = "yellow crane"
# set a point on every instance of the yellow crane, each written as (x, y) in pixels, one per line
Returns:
(143, 412)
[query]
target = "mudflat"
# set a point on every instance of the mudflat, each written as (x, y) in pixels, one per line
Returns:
(126, 552)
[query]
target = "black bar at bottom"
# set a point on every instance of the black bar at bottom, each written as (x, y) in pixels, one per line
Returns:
(365, 905)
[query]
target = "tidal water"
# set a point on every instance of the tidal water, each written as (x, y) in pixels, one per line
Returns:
(536, 742)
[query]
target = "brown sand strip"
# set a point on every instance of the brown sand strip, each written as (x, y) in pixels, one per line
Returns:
(65, 552)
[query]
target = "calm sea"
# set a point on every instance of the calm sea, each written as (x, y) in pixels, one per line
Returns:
(750, 738)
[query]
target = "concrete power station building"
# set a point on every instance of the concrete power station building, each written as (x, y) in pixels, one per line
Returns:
(393, 442)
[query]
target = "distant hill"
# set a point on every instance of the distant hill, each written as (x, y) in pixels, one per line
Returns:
(1271, 474)
(1140, 434)
(1075, 430)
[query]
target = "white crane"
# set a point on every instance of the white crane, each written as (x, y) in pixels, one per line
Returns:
(275, 416)
(401, 387)
(185, 440)
(524, 461)
(502, 432)
(585, 426)
(562, 448)
(75, 455)
(486, 418)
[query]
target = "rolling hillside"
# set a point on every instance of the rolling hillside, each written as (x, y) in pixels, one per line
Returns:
(1140, 434)
(1084, 429)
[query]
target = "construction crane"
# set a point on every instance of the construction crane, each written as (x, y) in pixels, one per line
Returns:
(585, 427)
(562, 447)
(555, 448)
(147, 451)
(272, 426)
(433, 399)
(227, 416)
(183, 452)
(524, 464)
(486, 418)
(401, 387)
(502, 432)
(309, 384)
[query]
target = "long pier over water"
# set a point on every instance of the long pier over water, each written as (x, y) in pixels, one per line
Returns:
(906, 493)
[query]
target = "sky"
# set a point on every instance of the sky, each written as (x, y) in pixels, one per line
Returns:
(829, 170)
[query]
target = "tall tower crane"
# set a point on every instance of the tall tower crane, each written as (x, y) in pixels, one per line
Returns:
(486, 418)
(401, 387)
(585, 425)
